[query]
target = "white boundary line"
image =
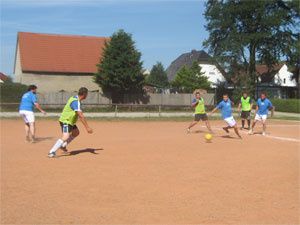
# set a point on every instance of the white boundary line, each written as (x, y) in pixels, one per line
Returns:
(268, 136)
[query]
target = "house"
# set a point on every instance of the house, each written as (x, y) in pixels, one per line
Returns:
(57, 62)
(211, 69)
(3, 77)
(276, 79)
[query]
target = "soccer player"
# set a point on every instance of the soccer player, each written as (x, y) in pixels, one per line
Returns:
(198, 104)
(261, 113)
(67, 121)
(247, 104)
(225, 106)
(28, 102)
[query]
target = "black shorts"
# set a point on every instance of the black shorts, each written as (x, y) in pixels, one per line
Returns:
(200, 116)
(67, 128)
(245, 114)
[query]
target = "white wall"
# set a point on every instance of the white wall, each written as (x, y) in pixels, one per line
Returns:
(213, 74)
(283, 78)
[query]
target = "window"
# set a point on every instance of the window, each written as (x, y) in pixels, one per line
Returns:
(284, 80)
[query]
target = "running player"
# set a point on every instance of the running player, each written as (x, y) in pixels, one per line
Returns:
(225, 106)
(67, 121)
(198, 104)
(261, 113)
(247, 104)
(28, 102)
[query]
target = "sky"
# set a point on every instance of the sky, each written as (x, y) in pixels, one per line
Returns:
(161, 29)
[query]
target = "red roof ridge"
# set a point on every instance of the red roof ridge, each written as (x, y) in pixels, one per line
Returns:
(63, 35)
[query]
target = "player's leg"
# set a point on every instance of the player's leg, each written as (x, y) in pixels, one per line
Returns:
(236, 130)
(208, 126)
(32, 131)
(66, 129)
(74, 133)
(196, 120)
(253, 125)
(264, 122)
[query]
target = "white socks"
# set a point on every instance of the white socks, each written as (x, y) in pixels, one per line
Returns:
(57, 145)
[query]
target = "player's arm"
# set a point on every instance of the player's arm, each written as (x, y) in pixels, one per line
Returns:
(81, 116)
(212, 112)
(272, 111)
(256, 110)
(239, 106)
(37, 105)
(251, 106)
(194, 103)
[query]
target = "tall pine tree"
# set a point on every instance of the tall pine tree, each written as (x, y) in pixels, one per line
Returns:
(119, 68)
(158, 75)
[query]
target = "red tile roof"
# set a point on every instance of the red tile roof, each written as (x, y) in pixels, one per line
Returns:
(60, 53)
(3, 76)
(261, 69)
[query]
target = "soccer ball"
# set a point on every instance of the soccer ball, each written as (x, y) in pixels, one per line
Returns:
(208, 137)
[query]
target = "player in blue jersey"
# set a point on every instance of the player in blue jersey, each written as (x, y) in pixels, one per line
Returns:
(261, 113)
(28, 102)
(225, 107)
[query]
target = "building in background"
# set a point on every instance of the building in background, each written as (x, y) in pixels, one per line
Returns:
(3, 77)
(277, 80)
(210, 68)
(56, 62)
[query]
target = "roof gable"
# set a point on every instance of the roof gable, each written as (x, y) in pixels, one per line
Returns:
(60, 53)
(267, 73)
(3, 76)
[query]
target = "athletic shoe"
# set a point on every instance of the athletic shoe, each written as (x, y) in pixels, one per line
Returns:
(27, 139)
(242, 128)
(240, 137)
(188, 130)
(250, 131)
(64, 149)
(33, 140)
(226, 129)
(264, 133)
(52, 155)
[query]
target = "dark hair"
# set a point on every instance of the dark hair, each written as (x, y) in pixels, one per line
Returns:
(32, 87)
(225, 95)
(82, 91)
(197, 93)
(263, 93)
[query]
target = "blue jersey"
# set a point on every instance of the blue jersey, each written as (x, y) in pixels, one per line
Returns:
(75, 105)
(226, 108)
(264, 106)
(27, 101)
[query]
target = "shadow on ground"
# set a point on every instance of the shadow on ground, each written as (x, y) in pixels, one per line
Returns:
(87, 150)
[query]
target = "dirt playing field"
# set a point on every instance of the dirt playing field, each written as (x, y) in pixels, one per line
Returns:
(134, 172)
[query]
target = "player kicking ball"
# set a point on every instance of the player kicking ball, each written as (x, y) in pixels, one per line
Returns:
(198, 104)
(67, 121)
(261, 113)
(225, 106)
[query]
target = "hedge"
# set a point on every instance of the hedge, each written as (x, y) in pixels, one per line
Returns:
(12, 93)
(286, 105)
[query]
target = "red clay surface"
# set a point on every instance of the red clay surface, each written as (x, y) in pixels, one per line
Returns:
(150, 173)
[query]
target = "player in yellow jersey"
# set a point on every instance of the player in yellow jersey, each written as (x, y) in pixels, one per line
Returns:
(67, 121)
(246, 103)
(200, 113)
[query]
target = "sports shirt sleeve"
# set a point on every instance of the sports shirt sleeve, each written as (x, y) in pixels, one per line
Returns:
(75, 105)
(250, 101)
(33, 98)
(220, 105)
(194, 100)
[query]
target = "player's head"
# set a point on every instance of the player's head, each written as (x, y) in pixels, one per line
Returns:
(225, 97)
(263, 96)
(82, 93)
(32, 88)
(197, 94)
(245, 95)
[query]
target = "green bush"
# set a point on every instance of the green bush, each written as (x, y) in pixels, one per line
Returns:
(12, 93)
(286, 105)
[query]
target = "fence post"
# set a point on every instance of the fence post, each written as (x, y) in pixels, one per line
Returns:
(159, 110)
(116, 110)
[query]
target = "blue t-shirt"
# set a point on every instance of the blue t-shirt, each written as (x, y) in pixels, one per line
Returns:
(75, 105)
(27, 101)
(226, 108)
(264, 106)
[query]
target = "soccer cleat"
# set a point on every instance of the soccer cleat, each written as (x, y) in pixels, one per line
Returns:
(250, 131)
(64, 149)
(226, 129)
(52, 155)
(188, 130)
(264, 133)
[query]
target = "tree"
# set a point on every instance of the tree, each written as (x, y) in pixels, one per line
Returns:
(119, 68)
(190, 79)
(158, 75)
(244, 32)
